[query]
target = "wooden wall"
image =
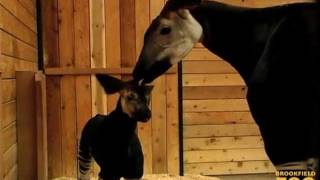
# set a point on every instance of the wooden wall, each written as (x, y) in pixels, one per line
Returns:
(17, 52)
(220, 135)
(86, 35)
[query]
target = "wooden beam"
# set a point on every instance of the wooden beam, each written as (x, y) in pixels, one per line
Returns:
(41, 115)
(92, 71)
(26, 126)
(1, 137)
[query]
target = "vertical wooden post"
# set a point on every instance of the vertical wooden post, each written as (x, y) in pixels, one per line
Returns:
(97, 16)
(144, 129)
(26, 126)
(113, 54)
(1, 136)
(68, 88)
(41, 115)
(172, 125)
(159, 111)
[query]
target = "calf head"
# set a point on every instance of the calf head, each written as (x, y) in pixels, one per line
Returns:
(134, 98)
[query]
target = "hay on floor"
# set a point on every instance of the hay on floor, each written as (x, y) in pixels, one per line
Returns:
(165, 177)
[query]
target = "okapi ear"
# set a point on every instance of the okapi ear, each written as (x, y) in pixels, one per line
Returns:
(110, 84)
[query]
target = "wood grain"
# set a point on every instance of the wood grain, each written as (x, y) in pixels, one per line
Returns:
(204, 131)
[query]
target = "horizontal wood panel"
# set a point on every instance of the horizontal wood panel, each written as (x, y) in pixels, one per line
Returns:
(216, 118)
(13, 174)
(214, 92)
(92, 71)
(225, 155)
(9, 66)
(215, 105)
(207, 67)
(20, 12)
(15, 27)
(246, 167)
(11, 46)
(8, 113)
(201, 54)
(261, 3)
(10, 159)
(202, 131)
(243, 142)
(29, 5)
(8, 90)
(10, 136)
(212, 80)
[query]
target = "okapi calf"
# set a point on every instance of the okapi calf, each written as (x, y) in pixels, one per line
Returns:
(111, 140)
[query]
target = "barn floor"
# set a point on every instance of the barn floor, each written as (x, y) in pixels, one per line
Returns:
(246, 177)
(165, 177)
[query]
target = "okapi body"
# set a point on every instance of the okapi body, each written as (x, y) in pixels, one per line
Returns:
(276, 50)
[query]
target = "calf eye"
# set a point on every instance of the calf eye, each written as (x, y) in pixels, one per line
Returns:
(130, 97)
(165, 31)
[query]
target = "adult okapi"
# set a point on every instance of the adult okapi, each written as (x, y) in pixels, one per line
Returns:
(277, 52)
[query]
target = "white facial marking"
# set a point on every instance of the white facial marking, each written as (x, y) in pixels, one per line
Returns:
(186, 32)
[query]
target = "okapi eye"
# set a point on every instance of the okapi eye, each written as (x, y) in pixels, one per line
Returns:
(165, 31)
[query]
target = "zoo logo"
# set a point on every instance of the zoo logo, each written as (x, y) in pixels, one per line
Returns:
(295, 175)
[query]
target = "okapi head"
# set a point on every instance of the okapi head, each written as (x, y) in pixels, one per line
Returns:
(170, 37)
(134, 99)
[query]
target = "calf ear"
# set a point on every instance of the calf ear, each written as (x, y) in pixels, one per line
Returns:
(149, 89)
(110, 84)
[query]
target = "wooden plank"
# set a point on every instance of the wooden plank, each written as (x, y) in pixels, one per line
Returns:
(92, 71)
(207, 67)
(8, 113)
(30, 6)
(69, 130)
(173, 125)
(20, 13)
(82, 59)
(144, 129)
(10, 135)
(41, 116)
(216, 118)
(54, 122)
(203, 131)
(201, 54)
(68, 94)
(159, 126)
(244, 142)
(12, 174)
(9, 66)
(247, 167)
(212, 80)
(8, 90)
(113, 52)
(15, 27)
(26, 126)
(10, 159)
(225, 155)
(98, 54)
(13, 47)
(50, 33)
(128, 33)
(1, 132)
(215, 105)
(214, 92)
